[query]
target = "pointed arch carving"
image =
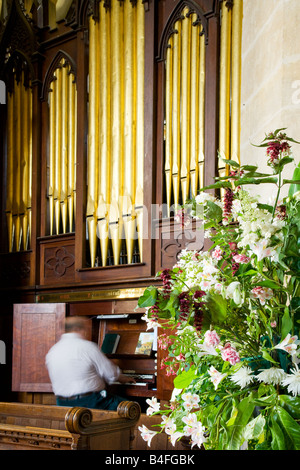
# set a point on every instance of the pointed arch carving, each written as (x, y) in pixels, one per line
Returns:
(51, 69)
(17, 63)
(177, 15)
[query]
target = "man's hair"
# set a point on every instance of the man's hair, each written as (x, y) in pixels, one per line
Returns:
(75, 323)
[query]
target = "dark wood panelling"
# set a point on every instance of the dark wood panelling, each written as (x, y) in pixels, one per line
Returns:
(36, 328)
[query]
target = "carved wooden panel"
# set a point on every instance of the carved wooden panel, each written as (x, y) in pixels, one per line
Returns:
(36, 328)
(57, 262)
(172, 238)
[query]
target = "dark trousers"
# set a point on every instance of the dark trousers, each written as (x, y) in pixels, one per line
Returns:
(94, 400)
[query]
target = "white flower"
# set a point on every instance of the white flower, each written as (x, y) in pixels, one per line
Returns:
(207, 349)
(190, 400)
(154, 406)
(147, 434)
(191, 424)
(273, 376)
(216, 376)
(175, 436)
(262, 250)
(242, 377)
(170, 425)
(203, 197)
(290, 344)
(233, 291)
(175, 393)
(292, 381)
(197, 436)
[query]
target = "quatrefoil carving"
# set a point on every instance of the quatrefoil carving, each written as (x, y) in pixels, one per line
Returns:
(60, 261)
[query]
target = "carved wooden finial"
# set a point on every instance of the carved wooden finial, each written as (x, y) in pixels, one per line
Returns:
(77, 419)
(129, 410)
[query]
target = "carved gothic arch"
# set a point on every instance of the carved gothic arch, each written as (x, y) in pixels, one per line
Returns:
(170, 29)
(51, 69)
(17, 63)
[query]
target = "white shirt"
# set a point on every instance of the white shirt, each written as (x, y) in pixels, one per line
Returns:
(77, 366)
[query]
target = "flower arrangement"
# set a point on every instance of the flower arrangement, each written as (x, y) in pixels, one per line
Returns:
(235, 310)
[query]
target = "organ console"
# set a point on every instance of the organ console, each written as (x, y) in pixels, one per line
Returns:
(142, 367)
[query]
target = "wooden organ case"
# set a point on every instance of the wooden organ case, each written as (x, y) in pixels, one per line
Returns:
(92, 170)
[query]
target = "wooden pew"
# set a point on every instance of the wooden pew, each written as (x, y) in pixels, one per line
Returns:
(27, 426)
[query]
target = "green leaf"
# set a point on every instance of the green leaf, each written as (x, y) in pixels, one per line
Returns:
(291, 181)
(228, 161)
(245, 180)
(148, 298)
(217, 307)
(278, 441)
(268, 357)
(251, 272)
(295, 186)
(291, 405)
(235, 432)
(220, 184)
(213, 211)
(249, 167)
(270, 284)
(254, 428)
(184, 379)
(286, 323)
(266, 207)
(290, 427)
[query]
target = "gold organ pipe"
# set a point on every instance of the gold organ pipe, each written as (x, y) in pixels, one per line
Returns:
(10, 177)
(116, 224)
(105, 133)
(58, 140)
(185, 109)
(75, 151)
(176, 112)
(51, 100)
(185, 106)
(17, 166)
(194, 123)
(225, 59)
(237, 16)
(93, 145)
(128, 195)
(64, 147)
(29, 199)
(25, 164)
(116, 92)
(140, 67)
(201, 131)
(168, 123)
(71, 147)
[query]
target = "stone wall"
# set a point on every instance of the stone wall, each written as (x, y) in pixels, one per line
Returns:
(270, 88)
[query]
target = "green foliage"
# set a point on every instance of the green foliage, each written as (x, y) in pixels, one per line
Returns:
(234, 314)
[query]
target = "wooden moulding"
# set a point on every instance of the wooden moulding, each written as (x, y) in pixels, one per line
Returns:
(29, 427)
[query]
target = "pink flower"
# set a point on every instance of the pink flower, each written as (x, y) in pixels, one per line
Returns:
(211, 338)
(262, 294)
(217, 253)
(230, 354)
(164, 341)
(183, 218)
(241, 259)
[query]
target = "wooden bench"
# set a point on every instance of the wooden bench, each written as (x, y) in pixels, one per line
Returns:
(27, 426)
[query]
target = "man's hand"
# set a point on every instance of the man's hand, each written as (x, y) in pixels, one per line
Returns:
(126, 379)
